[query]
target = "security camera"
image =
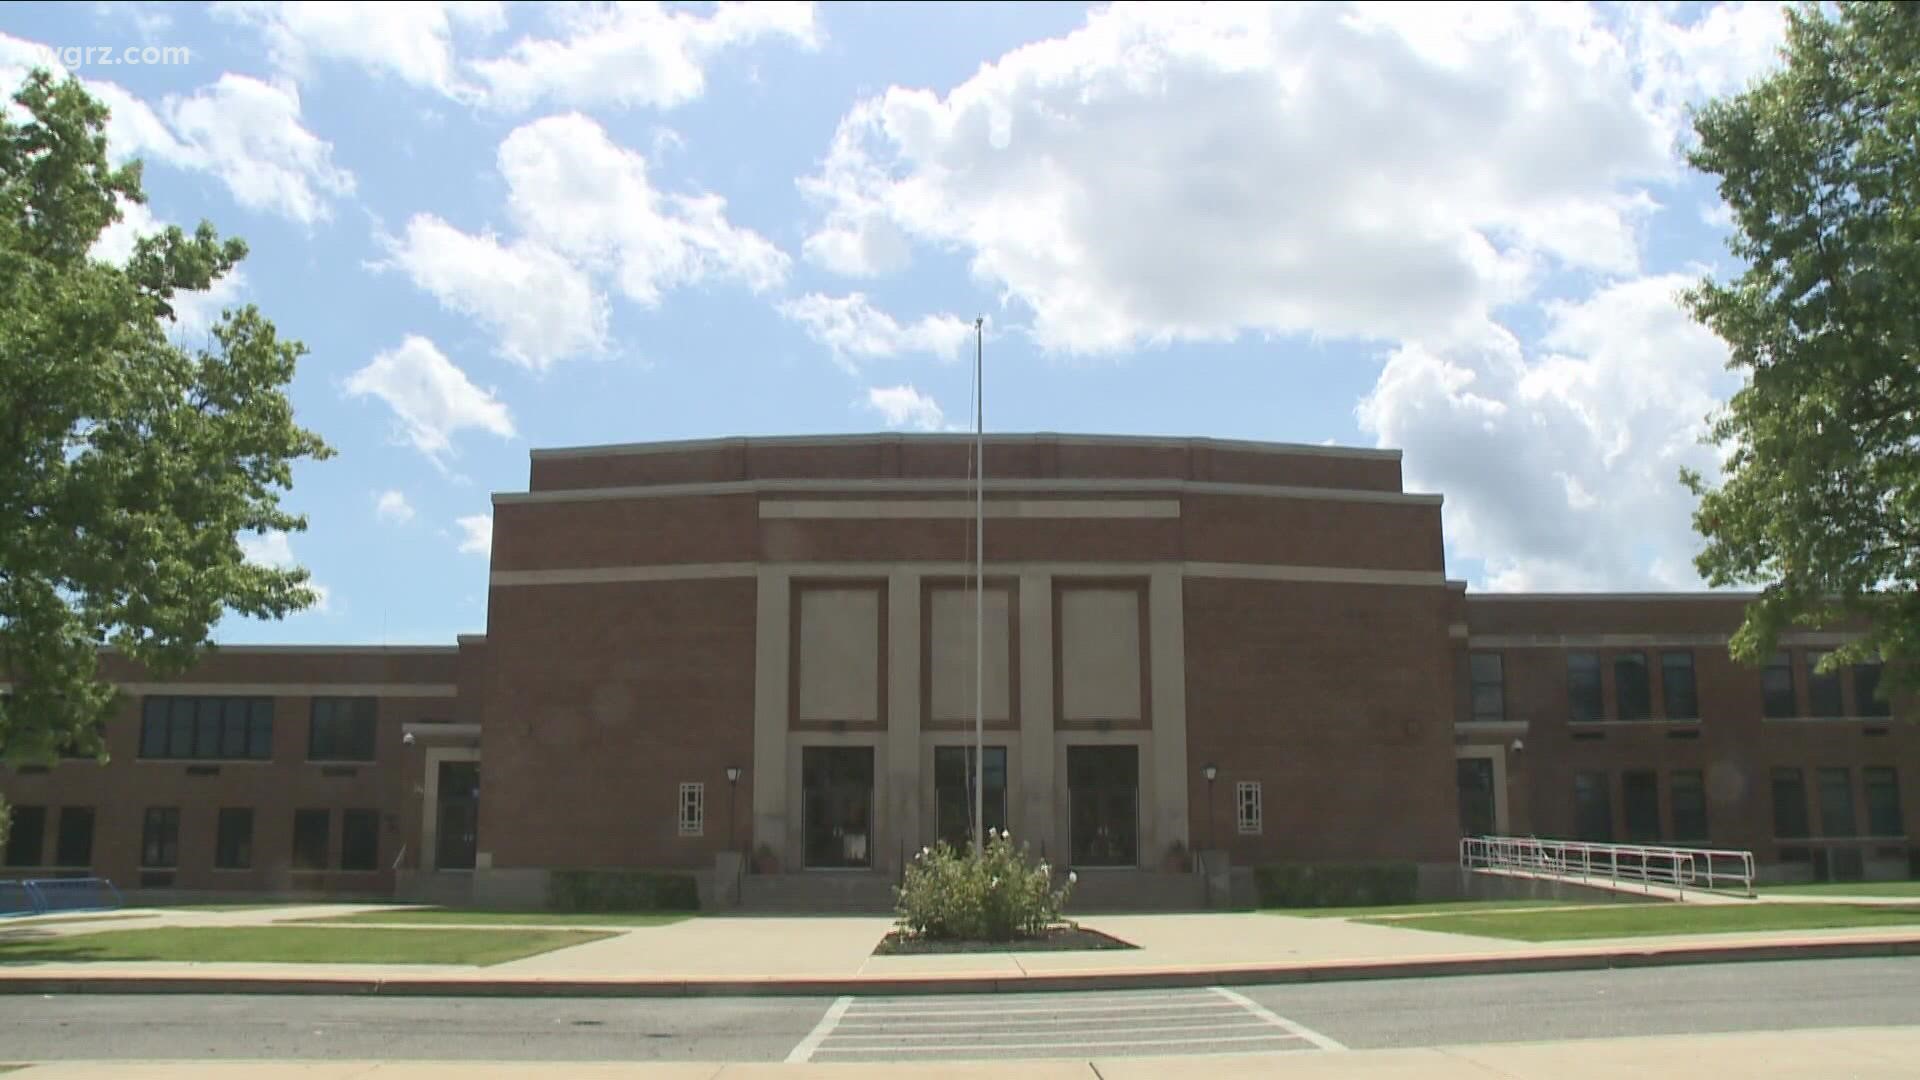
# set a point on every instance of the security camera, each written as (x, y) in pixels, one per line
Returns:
(1518, 746)
(407, 739)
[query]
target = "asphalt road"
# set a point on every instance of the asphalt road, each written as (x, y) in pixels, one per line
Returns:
(1302, 1019)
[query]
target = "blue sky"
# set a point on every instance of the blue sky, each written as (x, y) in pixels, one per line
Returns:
(1456, 231)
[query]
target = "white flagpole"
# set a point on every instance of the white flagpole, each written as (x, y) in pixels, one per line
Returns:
(979, 588)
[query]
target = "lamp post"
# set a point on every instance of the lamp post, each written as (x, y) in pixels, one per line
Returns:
(1211, 772)
(733, 785)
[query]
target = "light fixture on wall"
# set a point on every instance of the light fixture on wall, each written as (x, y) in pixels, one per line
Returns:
(733, 784)
(1211, 772)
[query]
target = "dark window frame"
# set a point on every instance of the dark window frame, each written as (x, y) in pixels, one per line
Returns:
(1792, 818)
(1577, 663)
(343, 729)
(1493, 685)
(1632, 700)
(311, 848)
(1640, 805)
(26, 846)
(1687, 802)
(69, 852)
(233, 841)
(160, 838)
(1773, 705)
(1866, 686)
(1885, 817)
(1837, 816)
(1597, 813)
(1825, 698)
(1676, 704)
(206, 727)
(359, 840)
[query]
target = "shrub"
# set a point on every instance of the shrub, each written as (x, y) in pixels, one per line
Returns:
(1337, 884)
(997, 895)
(621, 890)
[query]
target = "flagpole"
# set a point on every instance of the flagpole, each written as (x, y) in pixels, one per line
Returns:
(979, 587)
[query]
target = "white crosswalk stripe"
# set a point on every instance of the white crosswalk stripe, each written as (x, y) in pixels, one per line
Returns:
(1199, 1021)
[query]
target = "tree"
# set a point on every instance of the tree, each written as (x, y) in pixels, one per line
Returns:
(129, 464)
(1819, 502)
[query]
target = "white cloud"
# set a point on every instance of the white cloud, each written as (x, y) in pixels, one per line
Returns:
(635, 54)
(476, 535)
(273, 548)
(1561, 469)
(1196, 172)
(540, 306)
(413, 42)
(573, 189)
(856, 330)
(430, 396)
(391, 505)
(906, 407)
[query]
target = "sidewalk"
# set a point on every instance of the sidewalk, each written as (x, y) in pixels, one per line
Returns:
(737, 955)
(1851, 1052)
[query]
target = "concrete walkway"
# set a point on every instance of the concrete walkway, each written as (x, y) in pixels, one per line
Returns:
(1868, 1053)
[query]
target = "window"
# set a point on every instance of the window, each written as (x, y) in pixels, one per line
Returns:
(26, 844)
(1790, 804)
(1592, 807)
(342, 729)
(1836, 803)
(1583, 687)
(1883, 802)
(206, 728)
(693, 809)
(1776, 687)
(1866, 692)
(76, 837)
(310, 839)
(1640, 797)
(953, 791)
(1688, 794)
(160, 838)
(233, 841)
(360, 840)
(1489, 687)
(1246, 799)
(1632, 689)
(1677, 691)
(1823, 691)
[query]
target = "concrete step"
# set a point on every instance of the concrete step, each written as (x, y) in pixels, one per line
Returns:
(1136, 890)
(818, 892)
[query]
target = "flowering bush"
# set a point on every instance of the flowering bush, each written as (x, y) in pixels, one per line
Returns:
(997, 895)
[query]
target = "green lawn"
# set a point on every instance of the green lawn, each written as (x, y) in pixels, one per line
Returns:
(1850, 888)
(295, 945)
(471, 917)
(1640, 920)
(1438, 907)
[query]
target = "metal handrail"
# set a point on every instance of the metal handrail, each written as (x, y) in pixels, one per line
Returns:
(1677, 867)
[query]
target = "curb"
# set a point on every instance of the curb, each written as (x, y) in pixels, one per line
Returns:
(1137, 979)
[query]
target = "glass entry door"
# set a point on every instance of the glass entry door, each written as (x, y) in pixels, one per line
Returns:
(836, 784)
(1103, 805)
(953, 782)
(457, 828)
(1474, 778)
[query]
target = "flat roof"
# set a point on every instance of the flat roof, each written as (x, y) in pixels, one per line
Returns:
(1163, 441)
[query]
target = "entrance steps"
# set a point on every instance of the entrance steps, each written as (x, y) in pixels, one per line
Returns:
(822, 892)
(1113, 891)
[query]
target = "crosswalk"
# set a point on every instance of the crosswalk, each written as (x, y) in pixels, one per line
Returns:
(1213, 1020)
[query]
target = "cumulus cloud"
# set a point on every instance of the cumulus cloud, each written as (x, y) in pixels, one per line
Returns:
(391, 505)
(1561, 468)
(539, 306)
(431, 398)
(1196, 172)
(412, 42)
(634, 54)
(476, 535)
(855, 330)
(906, 407)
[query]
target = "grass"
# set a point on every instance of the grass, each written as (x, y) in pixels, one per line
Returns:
(1641, 920)
(1849, 888)
(294, 945)
(1437, 907)
(472, 917)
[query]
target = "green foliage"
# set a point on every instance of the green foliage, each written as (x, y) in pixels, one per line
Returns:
(998, 895)
(1311, 885)
(1820, 500)
(621, 890)
(129, 464)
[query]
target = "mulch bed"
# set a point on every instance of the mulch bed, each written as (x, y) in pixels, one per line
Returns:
(1059, 939)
